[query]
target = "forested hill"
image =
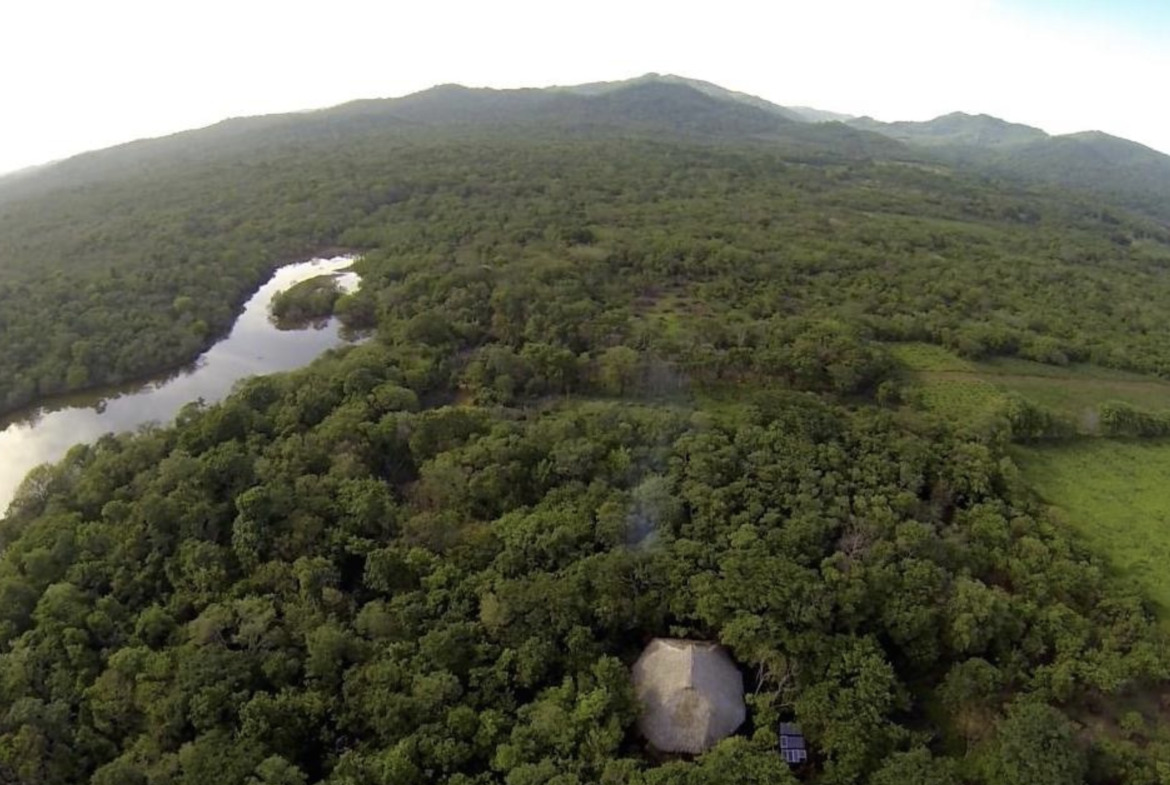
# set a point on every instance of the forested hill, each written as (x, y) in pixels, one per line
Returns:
(656, 106)
(707, 88)
(142, 252)
(957, 128)
(636, 369)
(1125, 172)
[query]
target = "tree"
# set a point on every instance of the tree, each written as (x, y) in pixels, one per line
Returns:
(277, 771)
(916, 767)
(970, 694)
(1033, 745)
(845, 710)
(732, 760)
(617, 369)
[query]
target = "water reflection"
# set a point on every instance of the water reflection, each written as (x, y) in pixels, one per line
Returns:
(254, 346)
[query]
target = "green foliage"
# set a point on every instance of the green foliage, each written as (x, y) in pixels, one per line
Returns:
(1115, 496)
(845, 713)
(1037, 402)
(1131, 173)
(917, 767)
(143, 267)
(1030, 422)
(432, 557)
(456, 594)
(1034, 745)
(305, 302)
(1120, 419)
(733, 760)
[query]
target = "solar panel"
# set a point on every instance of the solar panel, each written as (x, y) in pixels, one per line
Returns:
(792, 744)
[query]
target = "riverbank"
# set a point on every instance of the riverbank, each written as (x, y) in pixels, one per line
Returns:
(252, 347)
(13, 411)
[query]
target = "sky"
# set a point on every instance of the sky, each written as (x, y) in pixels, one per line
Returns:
(77, 75)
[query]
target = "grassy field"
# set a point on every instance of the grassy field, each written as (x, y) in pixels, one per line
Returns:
(1116, 495)
(951, 385)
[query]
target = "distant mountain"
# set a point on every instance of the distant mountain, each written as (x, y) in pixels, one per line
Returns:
(957, 128)
(28, 171)
(648, 105)
(651, 105)
(1095, 147)
(657, 104)
(811, 115)
(1130, 172)
(707, 88)
(654, 106)
(666, 105)
(1127, 172)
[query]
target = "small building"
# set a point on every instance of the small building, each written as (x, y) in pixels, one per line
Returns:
(792, 747)
(691, 695)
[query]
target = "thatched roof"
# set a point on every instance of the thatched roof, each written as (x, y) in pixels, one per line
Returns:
(691, 694)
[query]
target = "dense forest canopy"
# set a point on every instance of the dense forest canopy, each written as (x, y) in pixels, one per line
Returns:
(141, 253)
(631, 376)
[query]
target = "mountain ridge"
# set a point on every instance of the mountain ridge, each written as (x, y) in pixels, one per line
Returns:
(708, 88)
(954, 127)
(981, 130)
(650, 105)
(645, 105)
(644, 363)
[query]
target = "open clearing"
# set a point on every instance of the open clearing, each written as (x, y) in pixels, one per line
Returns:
(1116, 495)
(950, 385)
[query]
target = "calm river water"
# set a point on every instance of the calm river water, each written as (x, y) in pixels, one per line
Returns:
(253, 347)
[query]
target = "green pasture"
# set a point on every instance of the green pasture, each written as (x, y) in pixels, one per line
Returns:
(950, 385)
(1116, 495)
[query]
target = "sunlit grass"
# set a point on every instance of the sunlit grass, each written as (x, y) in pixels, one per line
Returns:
(963, 398)
(928, 357)
(1116, 496)
(952, 386)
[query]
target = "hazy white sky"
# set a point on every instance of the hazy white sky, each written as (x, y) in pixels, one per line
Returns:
(81, 74)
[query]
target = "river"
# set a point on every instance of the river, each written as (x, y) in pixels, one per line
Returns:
(254, 346)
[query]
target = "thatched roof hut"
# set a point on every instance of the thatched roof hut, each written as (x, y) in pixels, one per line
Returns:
(691, 694)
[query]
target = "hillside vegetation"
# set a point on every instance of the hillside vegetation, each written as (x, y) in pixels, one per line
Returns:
(957, 128)
(646, 360)
(1125, 172)
(142, 253)
(141, 269)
